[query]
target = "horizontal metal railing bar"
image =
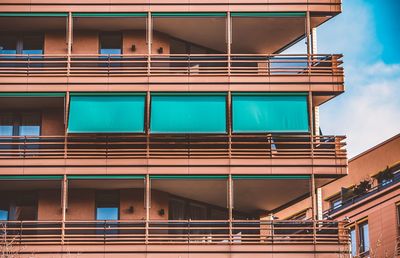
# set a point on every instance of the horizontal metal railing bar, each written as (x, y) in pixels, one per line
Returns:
(173, 146)
(170, 65)
(175, 232)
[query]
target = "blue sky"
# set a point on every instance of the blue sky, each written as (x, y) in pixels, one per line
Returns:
(368, 34)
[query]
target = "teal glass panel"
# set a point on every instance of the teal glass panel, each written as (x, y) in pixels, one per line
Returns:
(106, 114)
(188, 114)
(265, 113)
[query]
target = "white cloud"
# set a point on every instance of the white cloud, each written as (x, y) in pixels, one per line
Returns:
(369, 111)
(371, 114)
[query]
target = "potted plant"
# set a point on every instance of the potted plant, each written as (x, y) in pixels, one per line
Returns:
(384, 175)
(362, 187)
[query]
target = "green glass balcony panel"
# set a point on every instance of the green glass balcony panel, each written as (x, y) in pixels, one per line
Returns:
(106, 114)
(269, 113)
(190, 113)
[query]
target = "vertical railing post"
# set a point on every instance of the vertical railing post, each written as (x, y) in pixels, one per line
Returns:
(188, 231)
(229, 41)
(230, 207)
(315, 231)
(147, 197)
(24, 148)
(229, 124)
(308, 39)
(64, 196)
(69, 42)
(149, 41)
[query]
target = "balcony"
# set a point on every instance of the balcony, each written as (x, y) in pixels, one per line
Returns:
(186, 51)
(376, 191)
(260, 152)
(323, 72)
(183, 213)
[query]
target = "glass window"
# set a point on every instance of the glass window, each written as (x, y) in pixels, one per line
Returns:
(107, 205)
(24, 207)
(111, 43)
(3, 214)
(176, 210)
(364, 237)
(30, 124)
(353, 243)
(107, 213)
(6, 124)
(197, 212)
(8, 45)
(32, 45)
(20, 124)
(336, 203)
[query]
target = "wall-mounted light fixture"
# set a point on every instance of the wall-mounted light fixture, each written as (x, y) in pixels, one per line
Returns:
(133, 47)
(161, 212)
(160, 50)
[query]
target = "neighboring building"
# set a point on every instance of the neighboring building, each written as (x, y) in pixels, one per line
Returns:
(165, 128)
(368, 198)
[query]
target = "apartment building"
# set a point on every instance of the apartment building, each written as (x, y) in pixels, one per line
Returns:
(368, 199)
(165, 128)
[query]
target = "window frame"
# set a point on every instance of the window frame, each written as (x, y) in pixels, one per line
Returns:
(17, 118)
(362, 237)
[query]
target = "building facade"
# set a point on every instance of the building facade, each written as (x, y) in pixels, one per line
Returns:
(368, 198)
(165, 128)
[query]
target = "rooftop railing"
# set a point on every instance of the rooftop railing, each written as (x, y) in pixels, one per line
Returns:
(358, 198)
(173, 146)
(171, 65)
(198, 232)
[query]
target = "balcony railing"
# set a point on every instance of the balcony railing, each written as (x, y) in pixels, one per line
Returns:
(169, 232)
(358, 198)
(174, 146)
(171, 65)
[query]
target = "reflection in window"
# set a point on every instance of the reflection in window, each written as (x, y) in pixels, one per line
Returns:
(20, 124)
(6, 124)
(24, 207)
(3, 214)
(111, 43)
(107, 205)
(364, 237)
(8, 45)
(353, 242)
(29, 44)
(32, 45)
(30, 124)
(336, 203)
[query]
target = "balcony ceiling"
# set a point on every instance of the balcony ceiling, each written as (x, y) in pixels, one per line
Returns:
(206, 32)
(32, 24)
(18, 103)
(108, 184)
(207, 191)
(265, 35)
(109, 24)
